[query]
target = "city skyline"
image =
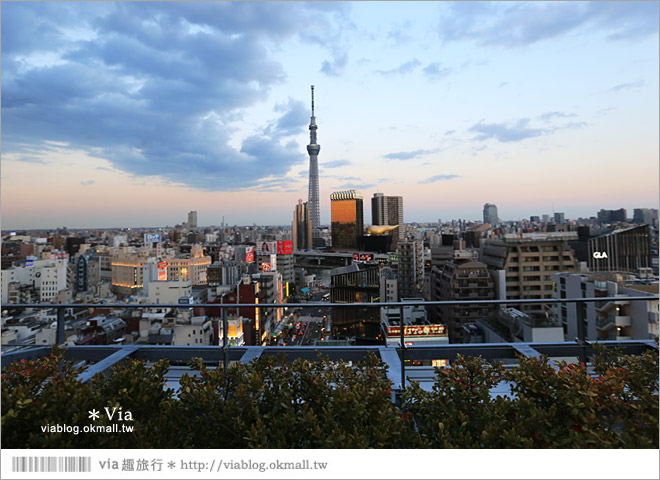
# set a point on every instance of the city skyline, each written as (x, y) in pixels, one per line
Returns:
(132, 114)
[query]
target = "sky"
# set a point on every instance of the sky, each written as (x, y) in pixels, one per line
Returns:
(128, 114)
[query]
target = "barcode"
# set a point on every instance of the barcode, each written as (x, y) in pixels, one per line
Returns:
(51, 464)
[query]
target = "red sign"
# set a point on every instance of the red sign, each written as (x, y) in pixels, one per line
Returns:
(418, 331)
(285, 247)
(162, 271)
(363, 257)
(249, 254)
(265, 267)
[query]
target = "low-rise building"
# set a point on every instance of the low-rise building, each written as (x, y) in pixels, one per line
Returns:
(620, 319)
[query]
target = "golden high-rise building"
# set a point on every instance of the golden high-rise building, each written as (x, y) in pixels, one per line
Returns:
(347, 222)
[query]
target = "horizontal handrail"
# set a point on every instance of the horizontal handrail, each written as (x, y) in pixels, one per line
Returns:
(102, 357)
(407, 303)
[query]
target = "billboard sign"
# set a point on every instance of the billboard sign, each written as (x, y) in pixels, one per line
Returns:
(249, 254)
(266, 267)
(285, 247)
(266, 248)
(186, 301)
(162, 271)
(439, 363)
(418, 331)
(363, 257)
(152, 238)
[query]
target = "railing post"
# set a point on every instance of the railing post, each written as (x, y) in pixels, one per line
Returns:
(403, 350)
(225, 340)
(579, 312)
(60, 338)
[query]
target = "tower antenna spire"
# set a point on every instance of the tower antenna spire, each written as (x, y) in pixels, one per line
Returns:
(312, 100)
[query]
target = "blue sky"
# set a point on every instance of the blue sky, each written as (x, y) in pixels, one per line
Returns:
(134, 113)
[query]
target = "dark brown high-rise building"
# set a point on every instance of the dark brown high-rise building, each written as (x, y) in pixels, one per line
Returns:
(462, 280)
(387, 210)
(347, 219)
(302, 227)
(356, 283)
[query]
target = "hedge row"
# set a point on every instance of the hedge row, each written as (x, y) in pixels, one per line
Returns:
(273, 404)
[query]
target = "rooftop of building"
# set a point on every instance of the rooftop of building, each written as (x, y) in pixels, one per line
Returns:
(652, 289)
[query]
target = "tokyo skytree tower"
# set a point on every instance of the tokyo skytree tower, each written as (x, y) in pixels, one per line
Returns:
(313, 150)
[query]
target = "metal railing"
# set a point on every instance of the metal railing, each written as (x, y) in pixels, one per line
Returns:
(394, 357)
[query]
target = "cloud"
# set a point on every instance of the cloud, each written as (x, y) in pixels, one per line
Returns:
(295, 116)
(156, 88)
(518, 24)
(520, 130)
(29, 159)
(356, 186)
(504, 133)
(402, 69)
(626, 86)
(343, 179)
(276, 184)
(605, 111)
(434, 71)
(398, 34)
(336, 163)
(335, 67)
(550, 115)
(87, 182)
(438, 178)
(449, 132)
(410, 155)
(503, 84)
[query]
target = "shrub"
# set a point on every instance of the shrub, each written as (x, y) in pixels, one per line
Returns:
(270, 403)
(46, 392)
(560, 406)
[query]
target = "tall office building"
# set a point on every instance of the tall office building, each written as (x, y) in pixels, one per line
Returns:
(386, 210)
(301, 227)
(645, 215)
(192, 219)
(347, 221)
(559, 218)
(612, 216)
(313, 150)
(411, 269)
(521, 265)
(490, 214)
(626, 249)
